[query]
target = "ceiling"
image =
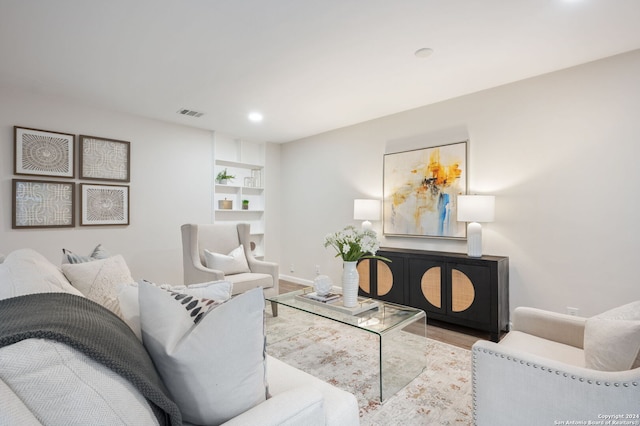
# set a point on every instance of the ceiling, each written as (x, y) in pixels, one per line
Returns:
(307, 66)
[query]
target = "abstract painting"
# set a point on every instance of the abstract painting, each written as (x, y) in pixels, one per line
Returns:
(43, 153)
(104, 204)
(104, 159)
(43, 204)
(420, 191)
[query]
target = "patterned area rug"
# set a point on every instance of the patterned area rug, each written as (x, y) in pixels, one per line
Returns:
(347, 358)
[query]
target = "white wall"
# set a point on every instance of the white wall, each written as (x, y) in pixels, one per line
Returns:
(273, 203)
(171, 175)
(560, 152)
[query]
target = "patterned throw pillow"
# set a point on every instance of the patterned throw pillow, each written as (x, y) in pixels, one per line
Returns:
(195, 307)
(99, 280)
(215, 369)
(218, 291)
(98, 253)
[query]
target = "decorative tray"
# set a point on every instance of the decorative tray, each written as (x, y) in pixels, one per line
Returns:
(364, 304)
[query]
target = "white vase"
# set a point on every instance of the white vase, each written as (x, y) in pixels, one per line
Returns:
(350, 284)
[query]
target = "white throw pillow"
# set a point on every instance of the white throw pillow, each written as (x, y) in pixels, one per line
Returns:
(98, 280)
(612, 339)
(232, 263)
(26, 271)
(130, 307)
(215, 368)
(98, 253)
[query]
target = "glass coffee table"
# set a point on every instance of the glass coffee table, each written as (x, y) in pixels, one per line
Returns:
(386, 321)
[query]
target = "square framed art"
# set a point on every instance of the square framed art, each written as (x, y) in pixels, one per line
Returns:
(104, 204)
(43, 153)
(104, 159)
(43, 204)
(420, 191)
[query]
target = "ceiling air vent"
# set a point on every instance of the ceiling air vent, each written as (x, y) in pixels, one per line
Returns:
(190, 112)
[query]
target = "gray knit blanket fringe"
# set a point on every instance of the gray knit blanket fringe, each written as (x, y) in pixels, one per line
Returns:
(94, 331)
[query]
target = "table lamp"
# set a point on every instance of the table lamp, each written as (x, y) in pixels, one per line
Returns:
(474, 209)
(366, 210)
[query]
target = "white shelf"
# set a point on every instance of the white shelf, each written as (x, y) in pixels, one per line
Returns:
(246, 161)
(239, 165)
(238, 211)
(244, 188)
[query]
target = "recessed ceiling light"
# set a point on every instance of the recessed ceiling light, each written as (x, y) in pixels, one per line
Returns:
(256, 117)
(425, 52)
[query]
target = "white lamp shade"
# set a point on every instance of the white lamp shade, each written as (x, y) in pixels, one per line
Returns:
(366, 209)
(476, 208)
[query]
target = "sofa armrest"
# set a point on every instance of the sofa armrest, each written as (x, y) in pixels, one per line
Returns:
(511, 386)
(548, 325)
(299, 406)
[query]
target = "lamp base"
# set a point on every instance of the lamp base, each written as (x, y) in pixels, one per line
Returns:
(367, 225)
(474, 239)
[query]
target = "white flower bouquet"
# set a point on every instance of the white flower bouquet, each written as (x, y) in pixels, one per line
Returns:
(352, 244)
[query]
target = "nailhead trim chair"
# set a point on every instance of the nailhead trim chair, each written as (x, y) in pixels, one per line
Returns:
(537, 376)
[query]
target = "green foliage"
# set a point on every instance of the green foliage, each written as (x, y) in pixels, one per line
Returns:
(223, 175)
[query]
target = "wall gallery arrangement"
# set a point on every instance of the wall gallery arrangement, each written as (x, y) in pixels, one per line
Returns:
(104, 159)
(104, 204)
(43, 153)
(43, 204)
(49, 204)
(420, 189)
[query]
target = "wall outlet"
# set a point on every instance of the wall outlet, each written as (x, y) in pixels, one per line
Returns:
(317, 269)
(572, 311)
(291, 268)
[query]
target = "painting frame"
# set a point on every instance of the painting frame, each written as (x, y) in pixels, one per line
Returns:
(43, 204)
(420, 189)
(104, 205)
(104, 159)
(43, 153)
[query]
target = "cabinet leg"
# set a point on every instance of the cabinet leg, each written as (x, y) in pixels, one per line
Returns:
(495, 337)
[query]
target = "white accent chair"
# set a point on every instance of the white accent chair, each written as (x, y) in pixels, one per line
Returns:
(537, 375)
(223, 238)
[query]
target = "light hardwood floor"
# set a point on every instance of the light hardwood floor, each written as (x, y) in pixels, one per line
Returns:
(457, 336)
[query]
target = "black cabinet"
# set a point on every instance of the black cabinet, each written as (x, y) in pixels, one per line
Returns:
(383, 280)
(450, 287)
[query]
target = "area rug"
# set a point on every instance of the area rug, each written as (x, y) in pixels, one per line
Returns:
(347, 358)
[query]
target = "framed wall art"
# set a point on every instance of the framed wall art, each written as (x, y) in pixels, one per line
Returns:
(43, 204)
(104, 204)
(43, 153)
(104, 159)
(420, 191)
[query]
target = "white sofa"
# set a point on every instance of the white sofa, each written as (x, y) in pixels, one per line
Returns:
(94, 394)
(543, 371)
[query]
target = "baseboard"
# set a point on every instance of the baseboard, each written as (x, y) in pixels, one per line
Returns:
(296, 280)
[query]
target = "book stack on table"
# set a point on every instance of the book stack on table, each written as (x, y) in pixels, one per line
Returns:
(333, 301)
(325, 298)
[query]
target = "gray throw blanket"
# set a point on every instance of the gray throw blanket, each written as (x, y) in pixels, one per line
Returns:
(94, 331)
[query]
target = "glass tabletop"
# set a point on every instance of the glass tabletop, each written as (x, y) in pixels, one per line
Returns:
(382, 318)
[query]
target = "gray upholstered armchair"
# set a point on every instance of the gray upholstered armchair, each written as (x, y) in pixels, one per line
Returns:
(223, 238)
(544, 371)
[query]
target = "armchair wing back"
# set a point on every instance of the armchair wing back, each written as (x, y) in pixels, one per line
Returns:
(223, 238)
